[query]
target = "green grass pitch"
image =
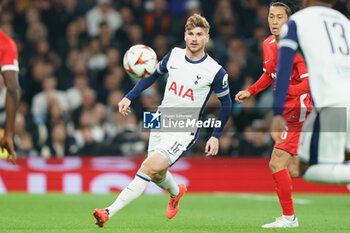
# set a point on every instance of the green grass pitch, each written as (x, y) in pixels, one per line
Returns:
(202, 213)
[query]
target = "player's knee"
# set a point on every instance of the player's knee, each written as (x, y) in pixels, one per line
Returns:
(294, 173)
(155, 172)
(158, 177)
(274, 166)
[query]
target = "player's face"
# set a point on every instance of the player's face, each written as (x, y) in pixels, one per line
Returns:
(277, 17)
(196, 39)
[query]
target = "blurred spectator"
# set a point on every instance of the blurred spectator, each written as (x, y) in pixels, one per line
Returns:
(158, 20)
(44, 99)
(228, 146)
(255, 142)
(102, 12)
(105, 37)
(66, 12)
(112, 107)
(44, 52)
(127, 141)
(25, 146)
(179, 8)
(57, 115)
(160, 45)
(134, 35)
(87, 104)
(113, 61)
(74, 94)
(35, 32)
(60, 144)
(224, 27)
(128, 18)
(235, 79)
(246, 115)
(91, 146)
(87, 120)
(39, 70)
(116, 80)
(99, 114)
(97, 60)
(70, 41)
(75, 65)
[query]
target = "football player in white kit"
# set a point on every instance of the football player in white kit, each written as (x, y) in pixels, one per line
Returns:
(322, 35)
(193, 75)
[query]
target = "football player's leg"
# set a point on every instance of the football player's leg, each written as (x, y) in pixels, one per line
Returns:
(283, 182)
(154, 167)
(169, 184)
(293, 166)
(326, 159)
(323, 153)
(130, 193)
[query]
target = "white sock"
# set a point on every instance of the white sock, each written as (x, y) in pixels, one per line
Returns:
(168, 183)
(130, 193)
(328, 173)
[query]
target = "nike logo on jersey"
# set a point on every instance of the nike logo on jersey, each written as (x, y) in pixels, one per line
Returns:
(266, 61)
(172, 67)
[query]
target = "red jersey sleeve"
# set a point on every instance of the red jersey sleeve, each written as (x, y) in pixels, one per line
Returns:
(300, 88)
(263, 82)
(8, 56)
(303, 86)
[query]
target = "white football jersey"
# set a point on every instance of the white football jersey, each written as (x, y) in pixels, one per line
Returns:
(326, 49)
(190, 83)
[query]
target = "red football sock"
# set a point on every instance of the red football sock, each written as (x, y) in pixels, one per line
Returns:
(284, 186)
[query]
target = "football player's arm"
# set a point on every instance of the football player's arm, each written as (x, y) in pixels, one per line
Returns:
(303, 86)
(288, 47)
(143, 84)
(222, 91)
(300, 88)
(10, 73)
(124, 104)
(261, 84)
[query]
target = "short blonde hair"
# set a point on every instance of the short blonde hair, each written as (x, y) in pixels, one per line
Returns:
(197, 20)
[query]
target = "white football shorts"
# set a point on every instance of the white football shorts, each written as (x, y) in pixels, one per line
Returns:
(325, 136)
(170, 144)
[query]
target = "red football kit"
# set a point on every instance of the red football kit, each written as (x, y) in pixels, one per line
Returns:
(298, 102)
(8, 53)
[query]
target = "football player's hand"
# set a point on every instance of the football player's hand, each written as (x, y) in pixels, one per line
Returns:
(124, 106)
(212, 146)
(7, 143)
(240, 96)
(277, 128)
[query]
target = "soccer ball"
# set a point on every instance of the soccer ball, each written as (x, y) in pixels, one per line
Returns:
(140, 61)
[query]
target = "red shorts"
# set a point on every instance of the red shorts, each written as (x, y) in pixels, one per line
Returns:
(291, 138)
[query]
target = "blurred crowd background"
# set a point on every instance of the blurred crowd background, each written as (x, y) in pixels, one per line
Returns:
(71, 74)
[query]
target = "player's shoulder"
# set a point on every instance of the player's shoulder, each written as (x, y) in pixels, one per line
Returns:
(313, 11)
(211, 60)
(269, 41)
(177, 51)
(4, 38)
(6, 41)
